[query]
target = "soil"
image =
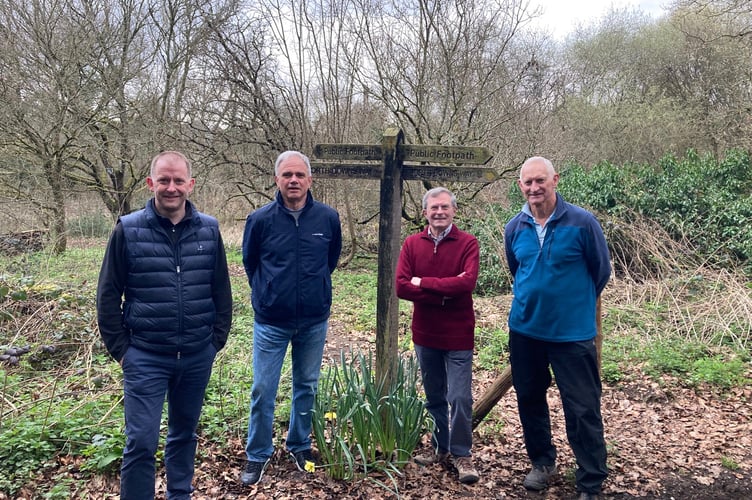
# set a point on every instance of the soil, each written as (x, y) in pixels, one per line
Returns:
(665, 441)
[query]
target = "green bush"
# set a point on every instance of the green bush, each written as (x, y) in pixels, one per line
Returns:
(104, 452)
(601, 188)
(673, 356)
(57, 426)
(697, 199)
(719, 371)
(492, 348)
(27, 445)
(493, 275)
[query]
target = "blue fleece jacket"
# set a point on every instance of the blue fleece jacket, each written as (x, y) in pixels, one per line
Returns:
(556, 284)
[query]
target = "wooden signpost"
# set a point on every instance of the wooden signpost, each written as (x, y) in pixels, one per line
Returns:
(392, 154)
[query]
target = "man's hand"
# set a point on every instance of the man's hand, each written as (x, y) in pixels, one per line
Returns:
(415, 281)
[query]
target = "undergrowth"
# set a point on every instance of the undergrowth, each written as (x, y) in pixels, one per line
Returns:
(668, 316)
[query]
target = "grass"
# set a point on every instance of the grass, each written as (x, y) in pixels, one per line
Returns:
(63, 397)
(492, 347)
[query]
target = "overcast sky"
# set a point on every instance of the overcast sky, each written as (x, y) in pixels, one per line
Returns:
(561, 17)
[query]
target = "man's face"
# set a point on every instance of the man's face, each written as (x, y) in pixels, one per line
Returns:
(171, 185)
(538, 185)
(439, 212)
(293, 181)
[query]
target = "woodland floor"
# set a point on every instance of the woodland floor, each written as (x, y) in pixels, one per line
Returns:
(665, 442)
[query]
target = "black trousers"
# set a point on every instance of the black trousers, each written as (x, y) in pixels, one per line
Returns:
(575, 368)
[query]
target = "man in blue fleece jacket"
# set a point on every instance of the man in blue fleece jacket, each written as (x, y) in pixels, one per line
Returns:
(560, 263)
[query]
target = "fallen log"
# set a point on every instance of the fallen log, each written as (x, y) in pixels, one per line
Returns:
(487, 401)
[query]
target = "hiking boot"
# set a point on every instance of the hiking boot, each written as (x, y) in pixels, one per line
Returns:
(304, 460)
(466, 470)
(537, 478)
(253, 472)
(440, 457)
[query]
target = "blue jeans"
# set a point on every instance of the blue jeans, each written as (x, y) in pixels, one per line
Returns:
(447, 382)
(269, 349)
(147, 378)
(575, 366)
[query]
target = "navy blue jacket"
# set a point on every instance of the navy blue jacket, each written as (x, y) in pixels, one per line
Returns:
(163, 295)
(289, 263)
(556, 284)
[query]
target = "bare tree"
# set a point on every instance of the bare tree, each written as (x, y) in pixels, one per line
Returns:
(147, 62)
(448, 72)
(43, 82)
(737, 13)
(92, 89)
(639, 89)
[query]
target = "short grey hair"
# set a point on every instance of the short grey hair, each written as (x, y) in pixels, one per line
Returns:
(433, 193)
(283, 156)
(539, 159)
(176, 154)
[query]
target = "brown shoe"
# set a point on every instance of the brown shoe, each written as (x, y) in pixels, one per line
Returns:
(432, 458)
(466, 470)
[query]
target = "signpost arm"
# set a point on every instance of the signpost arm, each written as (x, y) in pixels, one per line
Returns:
(387, 303)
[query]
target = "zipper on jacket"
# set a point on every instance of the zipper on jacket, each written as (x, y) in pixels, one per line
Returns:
(178, 269)
(550, 242)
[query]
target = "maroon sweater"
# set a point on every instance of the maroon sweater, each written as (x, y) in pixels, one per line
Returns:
(443, 315)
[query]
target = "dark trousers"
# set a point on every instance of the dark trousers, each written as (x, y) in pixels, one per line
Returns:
(147, 378)
(575, 368)
(447, 381)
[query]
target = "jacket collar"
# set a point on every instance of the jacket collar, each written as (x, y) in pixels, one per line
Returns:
(559, 209)
(188, 218)
(281, 202)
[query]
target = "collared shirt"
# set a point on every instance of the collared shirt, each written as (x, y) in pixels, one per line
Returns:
(541, 230)
(437, 239)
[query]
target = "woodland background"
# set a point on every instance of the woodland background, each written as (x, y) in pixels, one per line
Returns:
(648, 120)
(92, 89)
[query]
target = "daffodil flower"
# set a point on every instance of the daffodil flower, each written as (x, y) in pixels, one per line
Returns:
(310, 466)
(330, 415)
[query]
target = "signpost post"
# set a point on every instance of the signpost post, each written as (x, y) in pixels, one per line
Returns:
(392, 154)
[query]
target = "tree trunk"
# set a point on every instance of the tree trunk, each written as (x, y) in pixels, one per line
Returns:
(54, 173)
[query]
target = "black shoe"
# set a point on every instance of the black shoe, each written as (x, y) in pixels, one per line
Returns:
(304, 460)
(537, 478)
(253, 472)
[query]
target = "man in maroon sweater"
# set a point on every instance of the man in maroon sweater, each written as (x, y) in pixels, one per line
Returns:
(437, 271)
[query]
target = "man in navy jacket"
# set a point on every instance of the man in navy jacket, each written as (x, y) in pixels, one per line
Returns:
(290, 249)
(559, 260)
(164, 308)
